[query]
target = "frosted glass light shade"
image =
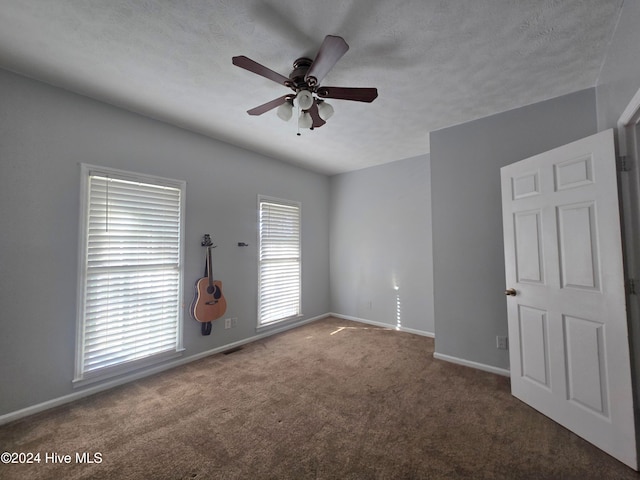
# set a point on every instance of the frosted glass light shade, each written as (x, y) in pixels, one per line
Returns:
(325, 110)
(305, 120)
(304, 99)
(285, 111)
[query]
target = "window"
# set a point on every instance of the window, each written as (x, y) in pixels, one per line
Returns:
(130, 287)
(279, 257)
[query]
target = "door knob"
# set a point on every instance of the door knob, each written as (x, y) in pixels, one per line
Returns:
(510, 292)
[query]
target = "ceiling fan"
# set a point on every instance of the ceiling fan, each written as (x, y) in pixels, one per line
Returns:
(305, 80)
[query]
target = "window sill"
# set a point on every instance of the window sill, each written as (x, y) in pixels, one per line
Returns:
(279, 323)
(134, 367)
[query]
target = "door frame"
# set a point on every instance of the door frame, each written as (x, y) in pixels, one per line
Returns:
(628, 129)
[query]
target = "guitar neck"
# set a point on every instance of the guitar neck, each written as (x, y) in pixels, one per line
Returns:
(209, 267)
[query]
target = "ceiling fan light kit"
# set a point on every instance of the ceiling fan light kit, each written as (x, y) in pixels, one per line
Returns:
(305, 80)
(285, 111)
(325, 110)
(305, 120)
(304, 100)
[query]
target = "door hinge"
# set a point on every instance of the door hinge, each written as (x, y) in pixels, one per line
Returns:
(623, 164)
(631, 286)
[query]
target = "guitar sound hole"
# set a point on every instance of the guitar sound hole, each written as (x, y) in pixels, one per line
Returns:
(210, 289)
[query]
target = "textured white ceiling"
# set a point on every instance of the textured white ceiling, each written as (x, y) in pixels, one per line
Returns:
(435, 63)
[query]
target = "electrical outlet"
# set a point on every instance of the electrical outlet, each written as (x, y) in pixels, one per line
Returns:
(502, 343)
(227, 323)
(234, 322)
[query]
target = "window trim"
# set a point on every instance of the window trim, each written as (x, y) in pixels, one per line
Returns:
(279, 322)
(82, 378)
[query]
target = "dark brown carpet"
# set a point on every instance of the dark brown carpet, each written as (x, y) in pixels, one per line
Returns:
(330, 400)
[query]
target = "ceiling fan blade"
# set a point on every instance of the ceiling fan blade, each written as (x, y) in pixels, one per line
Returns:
(347, 93)
(255, 67)
(268, 106)
(331, 50)
(315, 116)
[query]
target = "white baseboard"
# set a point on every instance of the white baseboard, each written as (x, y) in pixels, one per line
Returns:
(40, 407)
(56, 402)
(400, 328)
(439, 356)
(469, 363)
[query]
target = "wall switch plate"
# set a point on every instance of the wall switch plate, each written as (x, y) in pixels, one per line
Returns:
(234, 322)
(502, 343)
(227, 323)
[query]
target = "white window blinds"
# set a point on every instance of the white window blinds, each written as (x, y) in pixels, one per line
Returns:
(279, 231)
(131, 270)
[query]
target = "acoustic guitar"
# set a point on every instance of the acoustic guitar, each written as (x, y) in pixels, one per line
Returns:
(209, 303)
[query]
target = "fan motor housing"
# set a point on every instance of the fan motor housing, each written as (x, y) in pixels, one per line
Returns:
(300, 68)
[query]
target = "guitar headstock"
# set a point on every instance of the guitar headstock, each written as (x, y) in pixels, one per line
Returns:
(206, 240)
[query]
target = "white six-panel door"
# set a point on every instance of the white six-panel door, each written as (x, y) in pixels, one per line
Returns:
(569, 348)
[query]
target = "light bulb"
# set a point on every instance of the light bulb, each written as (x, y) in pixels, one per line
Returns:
(304, 99)
(325, 110)
(285, 111)
(305, 120)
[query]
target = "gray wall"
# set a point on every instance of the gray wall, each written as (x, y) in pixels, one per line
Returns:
(469, 302)
(620, 76)
(380, 240)
(45, 133)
